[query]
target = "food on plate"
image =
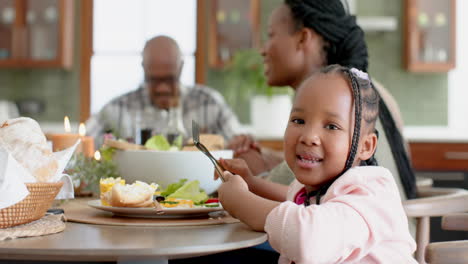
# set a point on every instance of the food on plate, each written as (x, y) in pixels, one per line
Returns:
(23, 139)
(171, 188)
(138, 194)
(105, 186)
(177, 203)
(182, 194)
(190, 191)
(210, 141)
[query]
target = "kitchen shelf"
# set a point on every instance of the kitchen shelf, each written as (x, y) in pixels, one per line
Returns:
(377, 23)
(429, 35)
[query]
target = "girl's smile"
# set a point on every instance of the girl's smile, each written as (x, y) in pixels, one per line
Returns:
(308, 160)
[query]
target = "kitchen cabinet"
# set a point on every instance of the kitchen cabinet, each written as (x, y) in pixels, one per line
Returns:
(36, 33)
(430, 35)
(439, 156)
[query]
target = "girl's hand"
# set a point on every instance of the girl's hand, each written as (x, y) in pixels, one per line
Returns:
(229, 192)
(236, 166)
(242, 204)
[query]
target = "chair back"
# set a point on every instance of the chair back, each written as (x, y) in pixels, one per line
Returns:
(433, 202)
(451, 252)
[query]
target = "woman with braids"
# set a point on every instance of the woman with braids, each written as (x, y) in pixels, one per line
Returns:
(341, 207)
(303, 36)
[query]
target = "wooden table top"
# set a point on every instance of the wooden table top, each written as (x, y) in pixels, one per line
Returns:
(87, 242)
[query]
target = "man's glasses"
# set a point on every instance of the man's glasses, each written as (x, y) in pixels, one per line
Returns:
(156, 81)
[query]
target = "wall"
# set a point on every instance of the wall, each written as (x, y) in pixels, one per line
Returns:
(423, 98)
(58, 89)
(216, 78)
(458, 78)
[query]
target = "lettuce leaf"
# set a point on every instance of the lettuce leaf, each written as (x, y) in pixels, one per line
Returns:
(158, 142)
(190, 191)
(178, 142)
(171, 188)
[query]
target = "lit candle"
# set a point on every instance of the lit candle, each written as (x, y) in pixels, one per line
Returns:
(97, 155)
(87, 143)
(65, 140)
(66, 124)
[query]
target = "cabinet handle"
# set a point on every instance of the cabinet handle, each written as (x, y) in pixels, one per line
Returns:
(452, 155)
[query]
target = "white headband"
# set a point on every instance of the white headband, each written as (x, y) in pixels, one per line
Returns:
(360, 74)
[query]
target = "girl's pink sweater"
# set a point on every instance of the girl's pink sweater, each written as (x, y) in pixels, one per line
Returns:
(360, 219)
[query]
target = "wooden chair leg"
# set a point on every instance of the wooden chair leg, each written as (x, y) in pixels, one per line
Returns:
(422, 237)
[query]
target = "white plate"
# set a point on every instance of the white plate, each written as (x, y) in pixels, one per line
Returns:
(151, 213)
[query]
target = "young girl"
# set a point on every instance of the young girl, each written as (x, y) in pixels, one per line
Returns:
(341, 208)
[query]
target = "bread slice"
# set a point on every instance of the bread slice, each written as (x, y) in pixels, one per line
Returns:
(139, 194)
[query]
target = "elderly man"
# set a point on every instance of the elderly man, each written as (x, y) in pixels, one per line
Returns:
(146, 107)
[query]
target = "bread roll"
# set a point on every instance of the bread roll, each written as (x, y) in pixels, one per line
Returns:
(139, 194)
(23, 139)
(210, 141)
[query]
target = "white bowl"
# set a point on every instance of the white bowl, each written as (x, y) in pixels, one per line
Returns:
(166, 167)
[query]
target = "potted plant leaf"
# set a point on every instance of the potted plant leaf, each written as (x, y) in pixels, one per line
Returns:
(245, 89)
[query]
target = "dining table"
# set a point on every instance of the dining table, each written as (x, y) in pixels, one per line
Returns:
(129, 243)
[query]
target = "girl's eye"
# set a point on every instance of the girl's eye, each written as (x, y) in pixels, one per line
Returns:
(297, 121)
(332, 127)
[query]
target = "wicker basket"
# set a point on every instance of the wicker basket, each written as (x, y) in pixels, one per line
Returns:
(33, 207)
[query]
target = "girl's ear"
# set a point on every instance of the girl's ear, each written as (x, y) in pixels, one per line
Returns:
(368, 146)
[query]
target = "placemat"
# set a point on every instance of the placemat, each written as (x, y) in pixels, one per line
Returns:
(79, 211)
(48, 224)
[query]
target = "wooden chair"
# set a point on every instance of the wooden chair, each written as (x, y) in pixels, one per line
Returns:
(451, 252)
(433, 202)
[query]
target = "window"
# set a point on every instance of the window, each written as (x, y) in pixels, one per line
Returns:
(121, 28)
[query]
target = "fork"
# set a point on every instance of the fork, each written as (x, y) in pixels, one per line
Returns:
(196, 140)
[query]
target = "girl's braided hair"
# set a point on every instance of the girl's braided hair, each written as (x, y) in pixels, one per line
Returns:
(366, 109)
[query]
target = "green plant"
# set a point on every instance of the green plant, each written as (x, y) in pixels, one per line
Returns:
(87, 172)
(241, 79)
(246, 70)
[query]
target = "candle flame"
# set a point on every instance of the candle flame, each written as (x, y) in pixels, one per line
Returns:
(97, 155)
(66, 124)
(82, 130)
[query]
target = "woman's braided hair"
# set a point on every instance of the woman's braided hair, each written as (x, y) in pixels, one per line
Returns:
(366, 109)
(345, 43)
